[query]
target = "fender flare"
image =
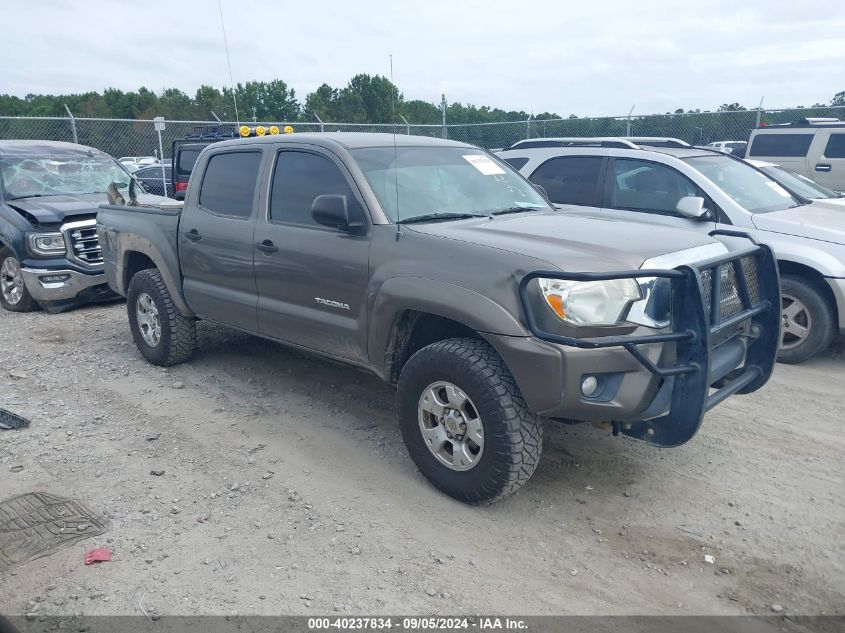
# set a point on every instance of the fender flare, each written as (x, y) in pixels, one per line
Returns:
(128, 244)
(439, 298)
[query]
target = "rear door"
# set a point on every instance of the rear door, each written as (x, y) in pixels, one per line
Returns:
(312, 280)
(647, 191)
(827, 166)
(572, 180)
(216, 239)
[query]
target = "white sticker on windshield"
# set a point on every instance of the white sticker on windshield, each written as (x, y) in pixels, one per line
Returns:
(483, 164)
(778, 189)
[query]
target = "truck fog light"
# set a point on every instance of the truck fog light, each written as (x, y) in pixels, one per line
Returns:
(54, 279)
(589, 385)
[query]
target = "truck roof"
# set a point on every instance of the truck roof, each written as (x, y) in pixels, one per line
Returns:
(53, 148)
(349, 140)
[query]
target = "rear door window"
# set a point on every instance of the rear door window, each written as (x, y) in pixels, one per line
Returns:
(228, 185)
(570, 179)
(781, 145)
(187, 158)
(835, 146)
(516, 163)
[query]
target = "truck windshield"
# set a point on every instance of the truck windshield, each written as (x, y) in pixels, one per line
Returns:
(451, 182)
(28, 176)
(801, 185)
(753, 191)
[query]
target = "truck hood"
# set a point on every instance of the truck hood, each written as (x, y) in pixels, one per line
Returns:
(570, 242)
(818, 220)
(54, 209)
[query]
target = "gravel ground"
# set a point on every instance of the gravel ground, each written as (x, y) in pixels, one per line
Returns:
(287, 490)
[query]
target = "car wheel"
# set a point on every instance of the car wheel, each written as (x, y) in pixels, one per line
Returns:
(162, 335)
(807, 321)
(13, 293)
(465, 422)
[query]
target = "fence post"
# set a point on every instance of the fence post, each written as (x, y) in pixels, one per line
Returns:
(628, 123)
(72, 124)
(158, 123)
(407, 125)
(320, 121)
(759, 112)
(443, 107)
(528, 128)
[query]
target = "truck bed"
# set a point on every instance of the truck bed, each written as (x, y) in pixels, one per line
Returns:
(152, 230)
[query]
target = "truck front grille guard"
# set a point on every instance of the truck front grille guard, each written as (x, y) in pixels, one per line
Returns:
(704, 309)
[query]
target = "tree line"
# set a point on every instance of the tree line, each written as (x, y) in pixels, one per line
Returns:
(365, 99)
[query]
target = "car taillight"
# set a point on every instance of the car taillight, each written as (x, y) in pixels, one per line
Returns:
(181, 186)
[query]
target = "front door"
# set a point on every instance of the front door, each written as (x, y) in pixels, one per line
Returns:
(312, 280)
(216, 245)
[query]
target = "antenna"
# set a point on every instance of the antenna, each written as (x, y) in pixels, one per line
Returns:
(395, 150)
(229, 62)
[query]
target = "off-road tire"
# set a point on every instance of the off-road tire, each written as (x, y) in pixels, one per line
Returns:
(513, 435)
(178, 333)
(822, 318)
(26, 303)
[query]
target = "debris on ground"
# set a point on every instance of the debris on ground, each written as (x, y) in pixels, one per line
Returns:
(50, 522)
(98, 555)
(10, 421)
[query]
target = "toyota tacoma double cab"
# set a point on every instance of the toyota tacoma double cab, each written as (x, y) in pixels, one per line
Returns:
(439, 268)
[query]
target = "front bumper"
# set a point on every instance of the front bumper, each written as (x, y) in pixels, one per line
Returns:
(656, 385)
(59, 285)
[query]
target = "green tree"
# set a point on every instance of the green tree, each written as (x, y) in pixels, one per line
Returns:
(838, 99)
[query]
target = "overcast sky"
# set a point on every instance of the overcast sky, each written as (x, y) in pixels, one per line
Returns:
(588, 58)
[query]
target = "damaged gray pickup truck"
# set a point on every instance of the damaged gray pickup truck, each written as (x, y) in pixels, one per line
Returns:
(439, 268)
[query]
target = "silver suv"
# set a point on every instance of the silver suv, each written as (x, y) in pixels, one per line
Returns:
(666, 181)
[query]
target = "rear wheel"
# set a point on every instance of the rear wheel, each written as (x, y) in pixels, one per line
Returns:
(13, 293)
(162, 335)
(807, 320)
(465, 423)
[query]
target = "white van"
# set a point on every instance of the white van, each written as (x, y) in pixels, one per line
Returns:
(814, 147)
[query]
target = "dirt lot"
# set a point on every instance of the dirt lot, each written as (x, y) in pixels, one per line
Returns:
(286, 489)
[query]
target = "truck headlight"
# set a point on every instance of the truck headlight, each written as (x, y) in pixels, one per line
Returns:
(47, 243)
(590, 302)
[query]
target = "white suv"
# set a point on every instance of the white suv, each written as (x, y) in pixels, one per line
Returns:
(814, 147)
(670, 182)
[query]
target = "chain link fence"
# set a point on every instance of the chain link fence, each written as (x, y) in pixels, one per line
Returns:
(131, 137)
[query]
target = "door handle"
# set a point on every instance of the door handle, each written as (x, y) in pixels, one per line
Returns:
(266, 246)
(193, 235)
(823, 167)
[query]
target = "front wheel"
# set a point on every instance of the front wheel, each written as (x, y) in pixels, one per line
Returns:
(807, 320)
(465, 422)
(162, 335)
(13, 293)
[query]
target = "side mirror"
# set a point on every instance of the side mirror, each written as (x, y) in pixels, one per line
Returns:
(691, 207)
(333, 210)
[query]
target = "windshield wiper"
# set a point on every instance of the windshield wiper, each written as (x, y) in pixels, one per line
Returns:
(34, 195)
(514, 210)
(429, 217)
